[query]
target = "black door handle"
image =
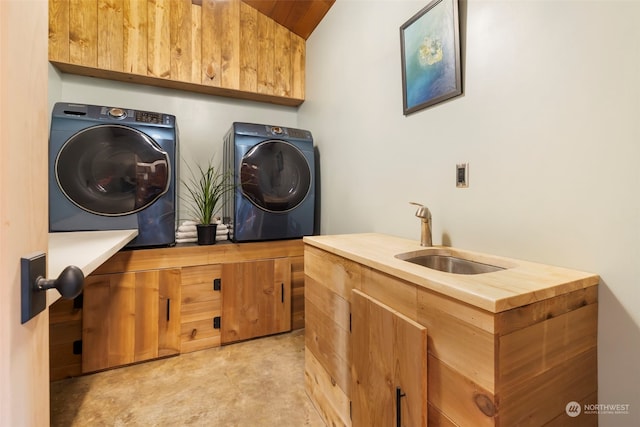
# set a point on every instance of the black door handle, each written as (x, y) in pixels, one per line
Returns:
(399, 396)
(69, 282)
(33, 270)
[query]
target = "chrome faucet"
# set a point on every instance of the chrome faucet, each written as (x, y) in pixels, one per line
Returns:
(425, 215)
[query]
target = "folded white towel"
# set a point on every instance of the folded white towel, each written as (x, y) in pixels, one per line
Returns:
(186, 234)
(195, 239)
(187, 226)
(187, 240)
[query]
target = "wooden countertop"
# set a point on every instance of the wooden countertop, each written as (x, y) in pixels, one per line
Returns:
(520, 283)
(191, 254)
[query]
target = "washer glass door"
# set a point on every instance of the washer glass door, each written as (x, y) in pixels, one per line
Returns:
(275, 176)
(112, 170)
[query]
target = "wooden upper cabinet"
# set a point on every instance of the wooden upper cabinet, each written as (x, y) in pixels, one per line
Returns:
(217, 47)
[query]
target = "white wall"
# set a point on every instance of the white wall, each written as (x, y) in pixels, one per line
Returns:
(548, 123)
(203, 120)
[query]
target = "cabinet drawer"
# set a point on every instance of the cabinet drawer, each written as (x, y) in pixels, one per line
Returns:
(198, 335)
(199, 299)
(197, 282)
(199, 305)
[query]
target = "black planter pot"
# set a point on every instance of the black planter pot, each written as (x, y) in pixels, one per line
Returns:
(207, 233)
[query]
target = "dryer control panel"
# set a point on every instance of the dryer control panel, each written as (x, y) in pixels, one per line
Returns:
(288, 132)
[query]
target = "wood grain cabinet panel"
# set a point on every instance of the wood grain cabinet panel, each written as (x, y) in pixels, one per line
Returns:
(169, 312)
(297, 292)
(128, 318)
(223, 48)
(329, 280)
(389, 366)
(256, 299)
(65, 336)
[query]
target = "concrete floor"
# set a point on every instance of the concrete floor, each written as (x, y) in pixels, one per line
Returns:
(255, 383)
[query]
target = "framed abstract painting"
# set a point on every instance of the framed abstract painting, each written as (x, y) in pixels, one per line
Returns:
(430, 49)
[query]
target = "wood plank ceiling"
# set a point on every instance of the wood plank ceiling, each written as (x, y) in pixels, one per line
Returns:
(299, 16)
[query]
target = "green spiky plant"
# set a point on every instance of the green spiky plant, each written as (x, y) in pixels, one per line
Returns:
(206, 188)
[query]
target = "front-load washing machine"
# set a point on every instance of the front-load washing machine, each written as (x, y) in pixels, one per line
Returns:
(273, 170)
(113, 169)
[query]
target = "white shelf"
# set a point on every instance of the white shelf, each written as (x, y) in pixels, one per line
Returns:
(84, 249)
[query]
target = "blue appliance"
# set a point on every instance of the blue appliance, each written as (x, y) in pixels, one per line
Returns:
(273, 170)
(112, 169)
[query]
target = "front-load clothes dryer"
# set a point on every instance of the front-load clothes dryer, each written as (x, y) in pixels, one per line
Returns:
(273, 170)
(113, 169)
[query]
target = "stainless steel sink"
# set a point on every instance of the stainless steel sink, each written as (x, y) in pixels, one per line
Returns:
(449, 263)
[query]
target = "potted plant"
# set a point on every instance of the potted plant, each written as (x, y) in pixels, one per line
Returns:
(206, 188)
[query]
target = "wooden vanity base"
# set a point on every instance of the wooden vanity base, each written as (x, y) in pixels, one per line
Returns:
(516, 367)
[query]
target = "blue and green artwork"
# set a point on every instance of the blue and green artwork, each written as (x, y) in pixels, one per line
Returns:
(431, 57)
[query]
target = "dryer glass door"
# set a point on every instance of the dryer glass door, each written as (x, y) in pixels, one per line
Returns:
(112, 170)
(275, 176)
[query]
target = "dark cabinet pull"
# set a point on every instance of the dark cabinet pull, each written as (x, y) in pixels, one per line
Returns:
(399, 396)
(282, 292)
(168, 309)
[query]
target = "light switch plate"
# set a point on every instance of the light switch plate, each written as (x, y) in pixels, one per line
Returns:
(33, 300)
(462, 175)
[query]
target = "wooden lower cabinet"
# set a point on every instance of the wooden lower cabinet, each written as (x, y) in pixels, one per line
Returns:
(130, 317)
(148, 303)
(225, 303)
(517, 367)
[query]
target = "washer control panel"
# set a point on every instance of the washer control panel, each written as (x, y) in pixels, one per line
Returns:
(117, 113)
(129, 116)
(148, 117)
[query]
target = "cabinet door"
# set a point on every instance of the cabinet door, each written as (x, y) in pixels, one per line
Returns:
(389, 366)
(123, 320)
(108, 321)
(169, 296)
(256, 299)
